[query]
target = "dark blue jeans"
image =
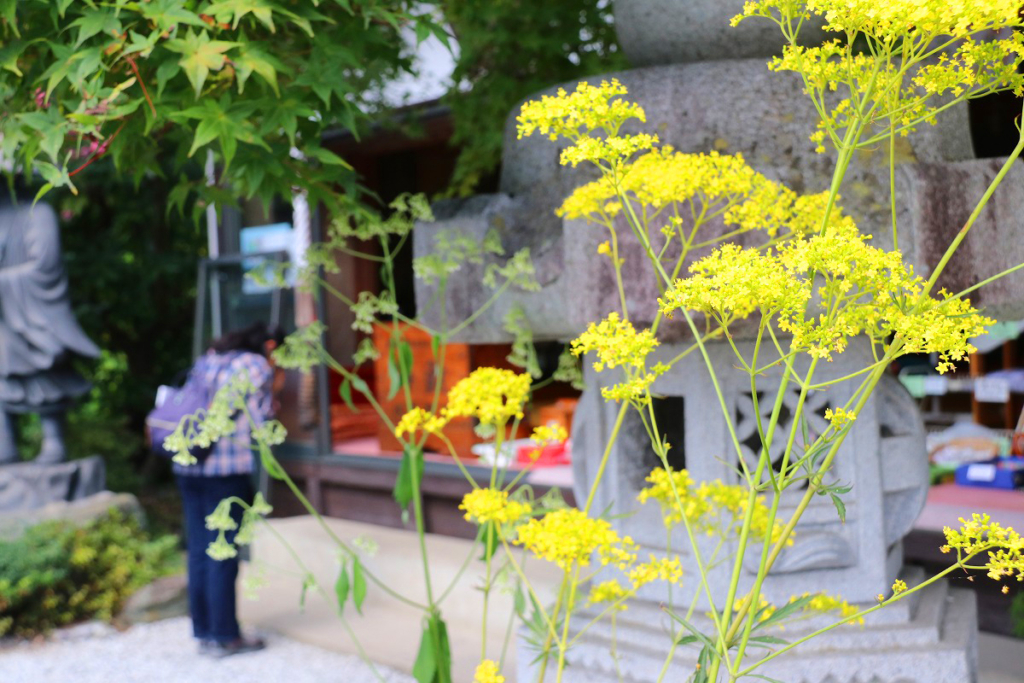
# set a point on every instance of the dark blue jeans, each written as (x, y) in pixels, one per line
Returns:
(211, 583)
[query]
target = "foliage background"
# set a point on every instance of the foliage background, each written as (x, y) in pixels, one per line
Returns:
(57, 574)
(509, 49)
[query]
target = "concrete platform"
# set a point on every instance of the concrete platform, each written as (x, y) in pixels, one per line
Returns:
(390, 631)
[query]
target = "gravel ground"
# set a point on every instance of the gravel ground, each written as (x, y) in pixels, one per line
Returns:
(164, 652)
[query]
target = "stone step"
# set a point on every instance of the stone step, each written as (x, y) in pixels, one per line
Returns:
(941, 628)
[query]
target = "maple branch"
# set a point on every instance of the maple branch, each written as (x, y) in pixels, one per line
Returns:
(99, 152)
(142, 84)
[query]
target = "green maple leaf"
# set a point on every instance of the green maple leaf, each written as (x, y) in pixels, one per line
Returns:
(284, 116)
(251, 59)
(167, 14)
(96, 21)
(237, 9)
(220, 120)
(199, 56)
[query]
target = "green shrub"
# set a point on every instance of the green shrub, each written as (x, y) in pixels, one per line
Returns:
(57, 573)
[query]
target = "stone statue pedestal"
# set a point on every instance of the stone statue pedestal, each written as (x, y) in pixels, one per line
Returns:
(930, 637)
(27, 486)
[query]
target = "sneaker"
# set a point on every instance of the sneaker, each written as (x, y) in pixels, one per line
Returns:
(206, 645)
(239, 646)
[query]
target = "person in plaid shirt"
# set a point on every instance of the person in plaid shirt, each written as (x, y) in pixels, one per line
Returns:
(224, 473)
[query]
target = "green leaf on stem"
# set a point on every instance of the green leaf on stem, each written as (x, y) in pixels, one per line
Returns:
(785, 611)
(433, 660)
(394, 378)
(692, 629)
(358, 584)
(767, 640)
(424, 670)
(341, 587)
(487, 535)
(409, 472)
(840, 506)
(345, 390)
(405, 360)
(270, 463)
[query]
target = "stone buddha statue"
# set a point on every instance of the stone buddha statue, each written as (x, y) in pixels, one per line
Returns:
(39, 335)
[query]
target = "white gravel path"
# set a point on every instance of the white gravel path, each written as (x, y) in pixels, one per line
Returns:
(164, 652)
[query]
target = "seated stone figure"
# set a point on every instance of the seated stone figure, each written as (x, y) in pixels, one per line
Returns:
(39, 335)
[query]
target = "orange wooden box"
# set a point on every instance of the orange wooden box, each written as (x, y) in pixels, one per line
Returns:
(459, 361)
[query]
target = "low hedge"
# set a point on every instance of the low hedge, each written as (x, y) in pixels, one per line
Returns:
(58, 573)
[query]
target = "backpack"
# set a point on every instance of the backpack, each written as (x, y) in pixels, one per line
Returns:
(172, 405)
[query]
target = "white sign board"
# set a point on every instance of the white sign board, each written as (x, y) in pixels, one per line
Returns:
(991, 390)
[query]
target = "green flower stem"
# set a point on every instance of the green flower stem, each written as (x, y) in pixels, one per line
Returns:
(304, 501)
(396, 332)
(509, 628)
(480, 311)
(417, 503)
(812, 488)
(955, 244)
(549, 620)
(327, 359)
(489, 533)
(458, 575)
(689, 613)
(762, 572)
(986, 281)
(717, 332)
(851, 618)
(489, 540)
(892, 182)
(764, 461)
(604, 458)
(563, 645)
(458, 460)
(323, 593)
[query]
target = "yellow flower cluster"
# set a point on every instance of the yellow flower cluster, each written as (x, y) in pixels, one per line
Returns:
(840, 417)
(489, 505)
(491, 395)
(613, 149)
(546, 434)
(899, 586)
(608, 592)
(576, 115)
(817, 604)
(617, 344)
(1004, 545)
(568, 536)
(890, 20)
(827, 603)
(418, 418)
(711, 183)
(733, 282)
(487, 672)
(664, 569)
(588, 108)
(711, 507)
(859, 289)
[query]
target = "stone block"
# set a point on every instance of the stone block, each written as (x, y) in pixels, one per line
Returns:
(672, 31)
(936, 201)
(883, 459)
(80, 512)
(730, 106)
(30, 485)
(936, 642)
